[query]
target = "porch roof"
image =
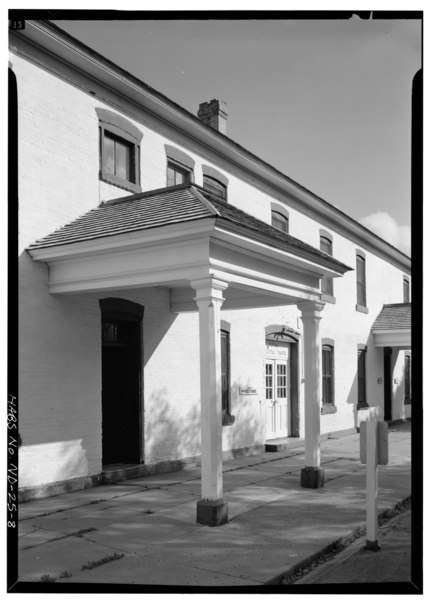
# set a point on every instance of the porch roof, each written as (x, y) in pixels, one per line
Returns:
(167, 206)
(393, 317)
(392, 326)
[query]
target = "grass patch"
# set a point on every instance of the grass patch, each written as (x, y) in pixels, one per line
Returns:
(97, 563)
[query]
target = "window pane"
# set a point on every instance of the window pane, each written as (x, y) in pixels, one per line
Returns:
(268, 374)
(326, 245)
(122, 160)
(224, 338)
(327, 375)
(279, 221)
(108, 154)
(214, 186)
(360, 281)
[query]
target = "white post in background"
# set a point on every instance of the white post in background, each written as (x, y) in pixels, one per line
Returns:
(374, 452)
(372, 514)
(211, 509)
(312, 475)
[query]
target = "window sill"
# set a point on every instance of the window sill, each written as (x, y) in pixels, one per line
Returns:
(362, 309)
(328, 298)
(121, 183)
(327, 409)
(228, 419)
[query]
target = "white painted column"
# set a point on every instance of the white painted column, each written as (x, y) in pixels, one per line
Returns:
(312, 474)
(212, 510)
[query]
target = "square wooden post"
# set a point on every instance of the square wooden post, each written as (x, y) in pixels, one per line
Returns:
(312, 475)
(211, 509)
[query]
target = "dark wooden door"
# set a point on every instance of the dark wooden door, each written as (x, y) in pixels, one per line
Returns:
(120, 392)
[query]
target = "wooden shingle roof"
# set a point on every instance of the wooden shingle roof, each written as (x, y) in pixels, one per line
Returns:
(167, 206)
(393, 317)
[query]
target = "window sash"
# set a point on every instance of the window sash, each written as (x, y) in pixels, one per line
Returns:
(225, 371)
(360, 281)
(215, 187)
(279, 221)
(177, 175)
(327, 375)
(118, 157)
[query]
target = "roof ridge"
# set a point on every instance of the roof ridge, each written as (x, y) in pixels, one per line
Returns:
(195, 190)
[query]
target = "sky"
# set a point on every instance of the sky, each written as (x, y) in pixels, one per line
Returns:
(328, 102)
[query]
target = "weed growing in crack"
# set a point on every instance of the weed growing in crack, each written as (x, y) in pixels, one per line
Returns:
(47, 578)
(97, 563)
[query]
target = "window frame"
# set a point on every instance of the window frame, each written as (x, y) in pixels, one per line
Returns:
(213, 189)
(361, 282)
(326, 284)
(281, 218)
(178, 168)
(406, 287)
(328, 407)
(114, 126)
(227, 417)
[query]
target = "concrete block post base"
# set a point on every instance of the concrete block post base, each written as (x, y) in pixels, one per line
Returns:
(372, 545)
(312, 477)
(211, 512)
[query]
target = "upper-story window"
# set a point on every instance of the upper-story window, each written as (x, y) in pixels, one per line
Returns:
(177, 174)
(361, 289)
(279, 221)
(180, 166)
(215, 182)
(119, 151)
(406, 289)
(279, 217)
(215, 187)
(327, 285)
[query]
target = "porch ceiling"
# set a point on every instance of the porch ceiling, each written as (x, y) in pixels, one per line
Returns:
(176, 235)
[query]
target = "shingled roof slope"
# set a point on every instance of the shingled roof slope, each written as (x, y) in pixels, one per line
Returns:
(165, 206)
(393, 317)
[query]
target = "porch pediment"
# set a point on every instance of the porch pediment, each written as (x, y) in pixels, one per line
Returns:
(172, 236)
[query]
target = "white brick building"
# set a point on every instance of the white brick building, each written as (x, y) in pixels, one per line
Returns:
(117, 373)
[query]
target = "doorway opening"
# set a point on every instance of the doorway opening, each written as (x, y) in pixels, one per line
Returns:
(387, 382)
(281, 384)
(121, 382)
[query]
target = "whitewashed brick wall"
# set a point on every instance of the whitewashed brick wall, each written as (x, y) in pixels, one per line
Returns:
(60, 351)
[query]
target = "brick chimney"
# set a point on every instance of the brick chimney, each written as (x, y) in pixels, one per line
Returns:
(214, 114)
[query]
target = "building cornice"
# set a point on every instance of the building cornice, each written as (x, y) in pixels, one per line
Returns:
(64, 47)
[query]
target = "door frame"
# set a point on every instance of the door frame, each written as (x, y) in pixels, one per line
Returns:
(126, 310)
(280, 333)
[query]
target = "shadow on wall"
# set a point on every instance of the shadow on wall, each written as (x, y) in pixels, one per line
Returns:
(169, 433)
(246, 431)
(175, 434)
(352, 397)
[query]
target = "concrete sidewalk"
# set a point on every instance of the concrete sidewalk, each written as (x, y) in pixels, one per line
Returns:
(144, 531)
